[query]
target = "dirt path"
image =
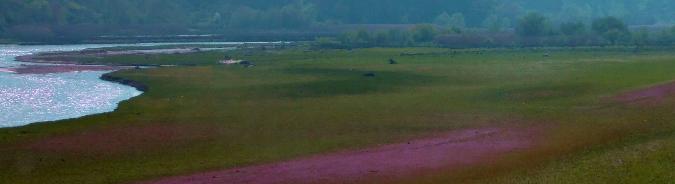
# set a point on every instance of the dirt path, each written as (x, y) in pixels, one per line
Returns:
(454, 150)
(648, 96)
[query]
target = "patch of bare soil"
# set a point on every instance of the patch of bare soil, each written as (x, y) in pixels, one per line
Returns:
(649, 96)
(454, 150)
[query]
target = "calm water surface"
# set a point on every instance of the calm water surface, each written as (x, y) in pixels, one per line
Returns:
(26, 99)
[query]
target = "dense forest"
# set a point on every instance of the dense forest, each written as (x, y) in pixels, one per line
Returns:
(82, 19)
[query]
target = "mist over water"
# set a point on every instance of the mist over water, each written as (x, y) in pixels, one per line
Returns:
(26, 99)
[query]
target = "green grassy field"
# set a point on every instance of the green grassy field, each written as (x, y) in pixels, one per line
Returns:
(297, 103)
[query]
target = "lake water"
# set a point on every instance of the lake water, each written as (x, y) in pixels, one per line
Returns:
(31, 98)
(26, 99)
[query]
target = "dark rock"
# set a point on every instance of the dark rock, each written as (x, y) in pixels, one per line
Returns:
(245, 63)
(139, 86)
(392, 62)
(410, 54)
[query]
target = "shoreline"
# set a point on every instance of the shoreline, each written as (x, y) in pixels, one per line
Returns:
(135, 84)
(25, 66)
(59, 68)
(65, 66)
(65, 57)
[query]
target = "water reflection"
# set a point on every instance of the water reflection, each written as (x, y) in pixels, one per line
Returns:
(26, 99)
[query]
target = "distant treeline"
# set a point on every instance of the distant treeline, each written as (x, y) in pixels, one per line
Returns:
(75, 20)
(532, 30)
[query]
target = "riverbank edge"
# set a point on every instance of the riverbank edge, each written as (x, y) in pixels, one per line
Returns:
(135, 84)
(108, 77)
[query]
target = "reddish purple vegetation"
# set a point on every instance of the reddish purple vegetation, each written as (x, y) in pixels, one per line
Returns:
(123, 139)
(648, 96)
(454, 150)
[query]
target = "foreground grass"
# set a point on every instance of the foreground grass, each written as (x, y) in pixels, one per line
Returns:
(297, 103)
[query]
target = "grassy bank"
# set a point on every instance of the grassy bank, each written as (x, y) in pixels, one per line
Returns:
(296, 103)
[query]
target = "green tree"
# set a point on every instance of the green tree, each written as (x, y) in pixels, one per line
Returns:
(399, 37)
(575, 12)
(423, 33)
(640, 37)
(495, 24)
(573, 28)
(363, 36)
(669, 35)
(381, 38)
(360, 38)
(131, 17)
(443, 19)
(326, 43)
(611, 29)
(457, 21)
(532, 25)
(244, 17)
(614, 36)
(297, 15)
